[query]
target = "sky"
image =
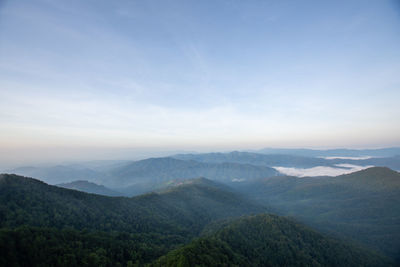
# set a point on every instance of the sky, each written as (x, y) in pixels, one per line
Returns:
(90, 78)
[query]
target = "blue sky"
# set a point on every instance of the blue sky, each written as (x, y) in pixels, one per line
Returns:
(199, 75)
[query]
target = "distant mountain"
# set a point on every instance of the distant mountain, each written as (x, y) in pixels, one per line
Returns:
(389, 162)
(89, 187)
(42, 223)
(144, 175)
(293, 161)
(99, 165)
(60, 173)
(382, 152)
(133, 178)
(364, 205)
(268, 240)
(256, 159)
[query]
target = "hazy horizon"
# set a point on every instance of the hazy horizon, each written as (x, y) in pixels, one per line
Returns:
(120, 80)
(50, 156)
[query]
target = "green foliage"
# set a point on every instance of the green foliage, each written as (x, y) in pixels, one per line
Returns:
(184, 210)
(268, 240)
(156, 223)
(44, 225)
(364, 206)
(30, 246)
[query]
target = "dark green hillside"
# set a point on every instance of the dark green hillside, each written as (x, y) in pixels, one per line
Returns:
(268, 240)
(47, 225)
(364, 205)
(29, 201)
(155, 223)
(32, 246)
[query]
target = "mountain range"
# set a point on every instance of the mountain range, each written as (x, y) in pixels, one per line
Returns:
(379, 152)
(48, 225)
(174, 213)
(136, 177)
(150, 174)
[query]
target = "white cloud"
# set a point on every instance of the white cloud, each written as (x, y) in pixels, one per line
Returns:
(321, 170)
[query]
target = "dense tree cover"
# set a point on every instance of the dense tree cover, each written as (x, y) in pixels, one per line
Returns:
(182, 210)
(32, 246)
(363, 206)
(44, 225)
(268, 240)
(166, 219)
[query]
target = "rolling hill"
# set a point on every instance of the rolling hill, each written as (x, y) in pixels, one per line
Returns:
(42, 224)
(151, 224)
(268, 240)
(363, 206)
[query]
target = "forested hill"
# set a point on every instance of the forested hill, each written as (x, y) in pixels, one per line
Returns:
(145, 227)
(26, 201)
(364, 205)
(52, 226)
(268, 240)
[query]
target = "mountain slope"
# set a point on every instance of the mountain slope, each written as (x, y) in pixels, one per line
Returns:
(29, 201)
(268, 240)
(364, 205)
(153, 223)
(47, 224)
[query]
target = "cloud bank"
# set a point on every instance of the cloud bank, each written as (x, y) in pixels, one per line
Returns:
(321, 170)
